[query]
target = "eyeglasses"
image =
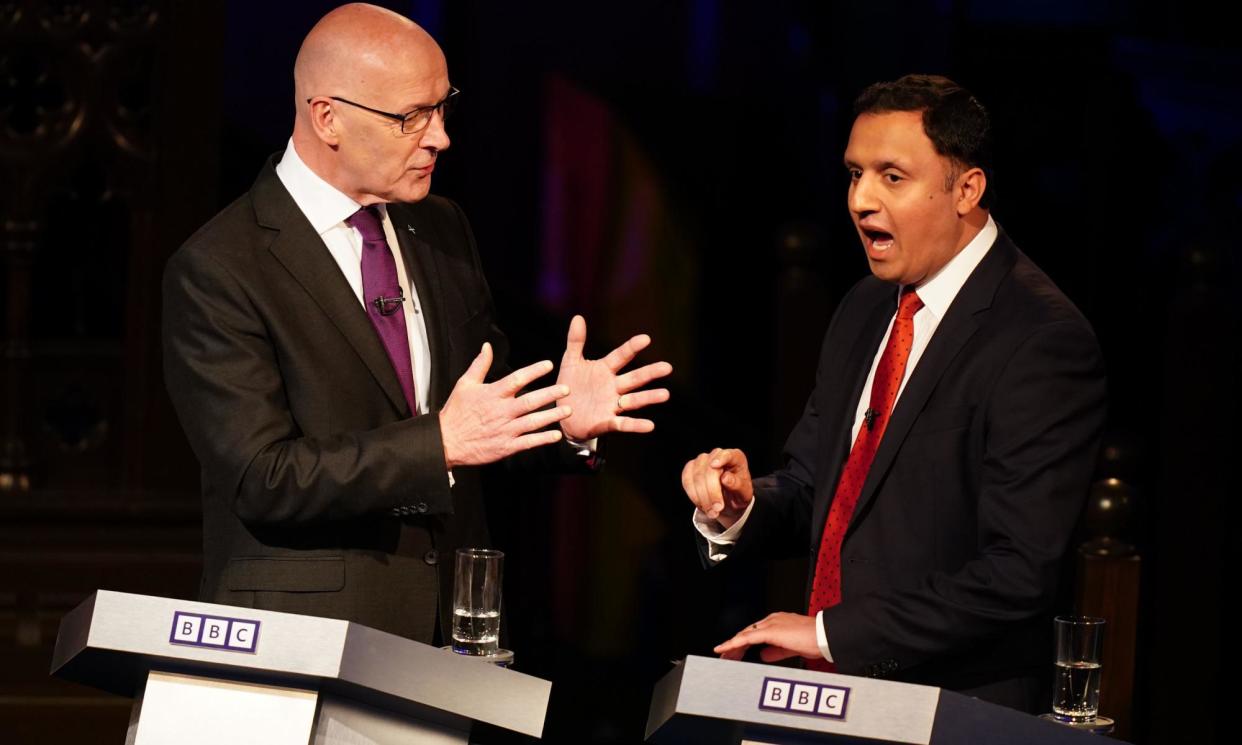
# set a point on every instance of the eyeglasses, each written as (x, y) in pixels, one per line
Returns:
(415, 120)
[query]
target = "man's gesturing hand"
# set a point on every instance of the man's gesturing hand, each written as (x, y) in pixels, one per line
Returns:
(599, 392)
(719, 484)
(485, 422)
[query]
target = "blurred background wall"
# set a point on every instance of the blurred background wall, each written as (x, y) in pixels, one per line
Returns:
(670, 167)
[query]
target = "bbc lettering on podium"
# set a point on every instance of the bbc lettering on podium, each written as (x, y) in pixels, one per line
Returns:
(800, 697)
(215, 632)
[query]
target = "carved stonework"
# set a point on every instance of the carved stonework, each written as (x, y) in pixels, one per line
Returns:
(78, 111)
(106, 165)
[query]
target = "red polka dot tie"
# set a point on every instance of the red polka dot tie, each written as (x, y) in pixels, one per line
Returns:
(826, 586)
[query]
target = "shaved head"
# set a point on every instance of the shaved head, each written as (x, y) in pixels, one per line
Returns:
(357, 46)
(380, 60)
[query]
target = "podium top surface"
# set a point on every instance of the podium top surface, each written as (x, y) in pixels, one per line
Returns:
(706, 699)
(112, 639)
(702, 690)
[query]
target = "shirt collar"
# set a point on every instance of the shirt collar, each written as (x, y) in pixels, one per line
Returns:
(323, 204)
(938, 292)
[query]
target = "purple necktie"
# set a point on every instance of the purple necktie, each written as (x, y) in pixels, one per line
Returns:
(383, 297)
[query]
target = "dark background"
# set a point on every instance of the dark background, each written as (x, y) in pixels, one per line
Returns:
(669, 167)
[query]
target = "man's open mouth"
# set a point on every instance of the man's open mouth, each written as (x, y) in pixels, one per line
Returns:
(880, 240)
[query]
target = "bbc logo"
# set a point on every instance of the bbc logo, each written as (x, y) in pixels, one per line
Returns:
(796, 697)
(214, 632)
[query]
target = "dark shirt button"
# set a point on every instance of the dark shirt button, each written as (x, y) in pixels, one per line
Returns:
(422, 507)
(431, 557)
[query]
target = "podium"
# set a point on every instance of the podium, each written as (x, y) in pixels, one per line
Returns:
(722, 701)
(205, 673)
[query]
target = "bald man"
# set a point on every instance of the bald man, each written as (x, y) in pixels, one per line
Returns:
(331, 351)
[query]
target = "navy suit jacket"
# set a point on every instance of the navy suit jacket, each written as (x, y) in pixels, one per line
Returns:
(951, 559)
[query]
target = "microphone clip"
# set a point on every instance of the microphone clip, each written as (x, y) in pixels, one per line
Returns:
(389, 305)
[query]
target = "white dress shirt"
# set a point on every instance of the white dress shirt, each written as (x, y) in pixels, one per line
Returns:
(937, 293)
(327, 209)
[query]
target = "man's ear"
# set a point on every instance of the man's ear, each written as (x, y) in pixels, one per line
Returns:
(323, 121)
(969, 190)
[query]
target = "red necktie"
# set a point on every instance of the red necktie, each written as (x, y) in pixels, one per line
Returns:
(826, 587)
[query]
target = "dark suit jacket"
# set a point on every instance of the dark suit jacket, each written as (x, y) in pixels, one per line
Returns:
(293, 409)
(950, 561)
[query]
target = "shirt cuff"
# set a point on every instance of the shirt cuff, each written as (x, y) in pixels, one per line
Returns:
(821, 637)
(719, 541)
(585, 448)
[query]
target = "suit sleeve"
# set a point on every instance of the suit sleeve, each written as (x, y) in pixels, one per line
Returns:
(1043, 419)
(224, 379)
(779, 524)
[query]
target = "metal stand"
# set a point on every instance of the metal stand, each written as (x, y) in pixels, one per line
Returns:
(1097, 726)
(499, 658)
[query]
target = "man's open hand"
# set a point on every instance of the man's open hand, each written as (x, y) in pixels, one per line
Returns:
(485, 422)
(599, 393)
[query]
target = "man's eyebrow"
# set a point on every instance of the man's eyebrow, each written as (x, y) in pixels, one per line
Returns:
(883, 165)
(412, 107)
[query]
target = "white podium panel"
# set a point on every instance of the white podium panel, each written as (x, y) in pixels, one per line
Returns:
(178, 709)
(222, 674)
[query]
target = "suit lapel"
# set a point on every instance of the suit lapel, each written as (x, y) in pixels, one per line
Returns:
(852, 378)
(303, 254)
(958, 325)
(424, 274)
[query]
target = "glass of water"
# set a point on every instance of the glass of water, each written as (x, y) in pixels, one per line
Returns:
(476, 601)
(1076, 694)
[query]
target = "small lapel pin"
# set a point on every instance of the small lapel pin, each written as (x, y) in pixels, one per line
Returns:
(411, 229)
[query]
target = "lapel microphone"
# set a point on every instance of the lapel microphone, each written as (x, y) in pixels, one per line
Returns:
(389, 305)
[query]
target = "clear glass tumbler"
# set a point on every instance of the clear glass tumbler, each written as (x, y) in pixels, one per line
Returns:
(1076, 690)
(476, 601)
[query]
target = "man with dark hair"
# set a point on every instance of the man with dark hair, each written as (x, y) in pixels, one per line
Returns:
(956, 123)
(936, 474)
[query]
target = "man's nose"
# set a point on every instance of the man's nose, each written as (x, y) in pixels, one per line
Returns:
(435, 136)
(861, 200)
